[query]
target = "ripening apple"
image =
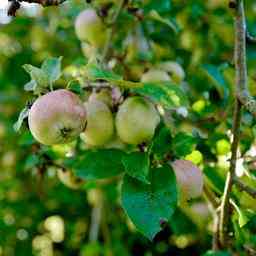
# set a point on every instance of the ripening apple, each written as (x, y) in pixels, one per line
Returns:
(174, 69)
(68, 178)
(189, 178)
(104, 95)
(155, 75)
(136, 120)
(100, 123)
(90, 28)
(57, 117)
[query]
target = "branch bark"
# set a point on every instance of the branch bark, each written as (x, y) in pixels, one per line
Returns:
(244, 187)
(242, 96)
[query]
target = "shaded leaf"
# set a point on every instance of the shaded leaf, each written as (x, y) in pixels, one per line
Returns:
(150, 205)
(98, 164)
(183, 144)
(137, 165)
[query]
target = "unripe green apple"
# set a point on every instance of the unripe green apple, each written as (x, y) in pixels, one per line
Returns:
(199, 106)
(189, 178)
(88, 50)
(115, 143)
(223, 147)
(103, 95)
(195, 157)
(68, 178)
(136, 120)
(100, 124)
(90, 28)
(57, 117)
(155, 75)
(174, 69)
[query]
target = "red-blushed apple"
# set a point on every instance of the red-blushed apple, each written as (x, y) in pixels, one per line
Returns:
(57, 117)
(136, 120)
(90, 28)
(155, 75)
(189, 178)
(100, 124)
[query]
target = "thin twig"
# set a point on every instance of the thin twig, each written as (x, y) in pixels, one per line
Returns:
(111, 31)
(241, 86)
(244, 187)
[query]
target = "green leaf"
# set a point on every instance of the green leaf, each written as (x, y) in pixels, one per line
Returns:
(30, 86)
(137, 165)
(23, 114)
(167, 94)
(98, 164)
(52, 67)
(160, 5)
(181, 224)
(38, 75)
(149, 205)
(217, 77)
(94, 72)
(219, 253)
(161, 143)
(153, 14)
(183, 144)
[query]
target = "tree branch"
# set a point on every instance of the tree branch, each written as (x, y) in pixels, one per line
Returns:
(242, 97)
(244, 187)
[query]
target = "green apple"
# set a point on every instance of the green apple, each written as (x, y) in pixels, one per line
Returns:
(136, 120)
(100, 123)
(90, 28)
(189, 178)
(174, 69)
(88, 50)
(223, 147)
(57, 117)
(68, 178)
(155, 75)
(104, 95)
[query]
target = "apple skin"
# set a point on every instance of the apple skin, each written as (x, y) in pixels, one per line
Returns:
(68, 178)
(104, 96)
(57, 117)
(136, 120)
(175, 70)
(100, 124)
(155, 75)
(189, 178)
(90, 28)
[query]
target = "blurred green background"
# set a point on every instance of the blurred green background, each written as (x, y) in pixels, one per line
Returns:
(41, 216)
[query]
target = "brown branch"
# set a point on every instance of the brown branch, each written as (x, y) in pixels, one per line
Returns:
(16, 4)
(243, 187)
(242, 96)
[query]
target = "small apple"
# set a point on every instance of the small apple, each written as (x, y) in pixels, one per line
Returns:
(104, 95)
(174, 69)
(223, 147)
(189, 178)
(100, 123)
(136, 120)
(90, 28)
(88, 50)
(68, 178)
(155, 75)
(57, 117)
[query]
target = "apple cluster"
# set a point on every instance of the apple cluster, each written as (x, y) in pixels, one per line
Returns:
(60, 116)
